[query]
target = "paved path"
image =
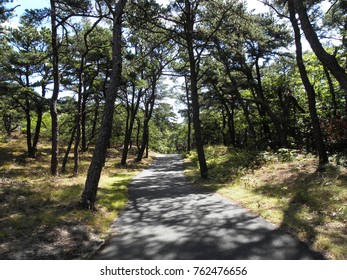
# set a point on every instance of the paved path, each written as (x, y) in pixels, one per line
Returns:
(168, 218)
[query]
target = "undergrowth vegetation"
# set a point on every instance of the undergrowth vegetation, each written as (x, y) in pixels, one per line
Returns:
(285, 187)
(37, 208)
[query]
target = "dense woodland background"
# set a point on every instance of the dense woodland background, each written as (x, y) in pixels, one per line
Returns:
(92, 75)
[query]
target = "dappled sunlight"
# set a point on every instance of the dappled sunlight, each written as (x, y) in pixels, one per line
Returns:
(38, 213)
(168, 218)
(292, 193)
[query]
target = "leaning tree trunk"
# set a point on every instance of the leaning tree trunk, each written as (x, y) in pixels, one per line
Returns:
(39, 112)
(99, 155)
(68, 149)
(238, 96)
(323, 158)
(37, 128)
(327, 59)
(81, 106)
(31, 152)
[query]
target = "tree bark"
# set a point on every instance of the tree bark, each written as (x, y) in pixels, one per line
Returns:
(144, 141)
(99, 155)
(54, 99)
(83, 122)
(327, 59)
(130, 124)
(138, 131)
(39, 111)
(81, 102)
(37, 128)
(78, 119)
(323, 158)
(237, 93)
(189, 28)
(188, 116)
(31, 152)
(260, 92)
(148, 115)
(230, 122)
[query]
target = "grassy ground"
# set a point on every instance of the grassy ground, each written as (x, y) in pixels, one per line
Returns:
(286, 189)
(38, 214)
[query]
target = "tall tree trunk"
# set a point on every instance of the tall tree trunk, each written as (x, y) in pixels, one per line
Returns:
(196, 116)
(78, 121)
(31, 151)
(99, 155)
(225, 136)
(230, 123)
(54, 99)
(194, 90)
(237, 93)
(323, 158)
(83, 88)
(130, 124)
(264, 108)
(148, 115)
(188, 116)
(125, 142)
(81, 102)
(260, 93)
(327, 59)
(138, 130)
(283, 116)
(55, 137)
(147, 147)
(78, 133)
(144, 141)
(39, 112)
(83, 122)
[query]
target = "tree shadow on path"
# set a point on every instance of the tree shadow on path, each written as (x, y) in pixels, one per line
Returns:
(168, 218)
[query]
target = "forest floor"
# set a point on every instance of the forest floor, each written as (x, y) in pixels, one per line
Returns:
(39, 219)
(38, 214)
(285, 188)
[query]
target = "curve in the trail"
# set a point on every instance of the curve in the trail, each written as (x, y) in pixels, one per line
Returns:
(169, 218)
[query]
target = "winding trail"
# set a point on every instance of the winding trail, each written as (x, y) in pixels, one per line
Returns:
(169, 218)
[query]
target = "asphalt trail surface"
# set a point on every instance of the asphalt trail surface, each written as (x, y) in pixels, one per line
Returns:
(169, 218)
